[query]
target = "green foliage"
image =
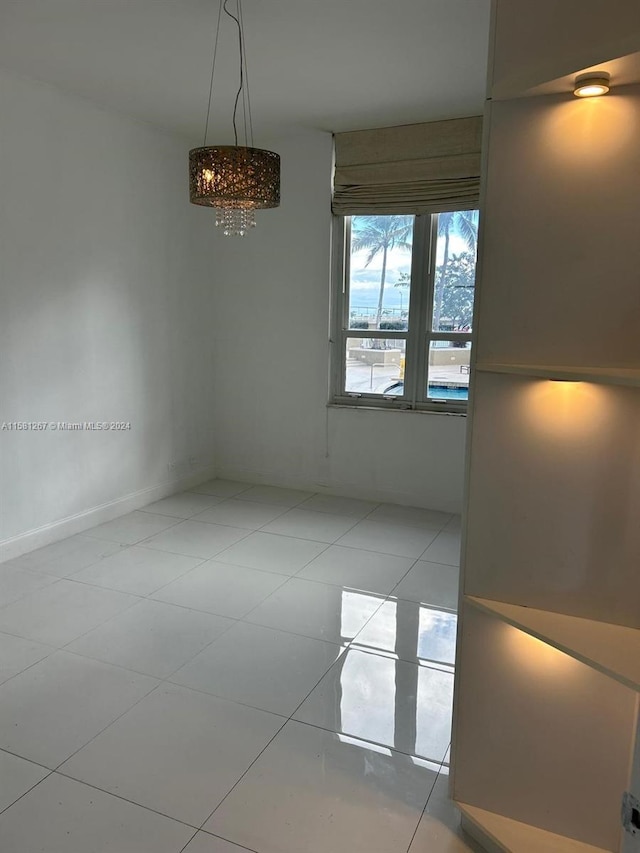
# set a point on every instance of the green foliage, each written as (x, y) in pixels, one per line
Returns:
(455, 284)
(457, 289)
(464, 224)
(454, 278)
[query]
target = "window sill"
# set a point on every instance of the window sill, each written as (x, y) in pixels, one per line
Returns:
(366, 408)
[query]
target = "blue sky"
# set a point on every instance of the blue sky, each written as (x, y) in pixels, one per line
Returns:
(365, 281)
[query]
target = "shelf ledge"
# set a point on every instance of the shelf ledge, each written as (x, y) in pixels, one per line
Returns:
(629, 376)
(613, 650)
(511, 836)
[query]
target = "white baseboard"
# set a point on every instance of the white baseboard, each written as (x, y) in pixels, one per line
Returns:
(343, 490)
(73, 524)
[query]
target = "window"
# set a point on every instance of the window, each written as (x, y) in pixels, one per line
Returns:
(403, 310)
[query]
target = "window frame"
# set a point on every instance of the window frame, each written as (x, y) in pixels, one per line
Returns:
(419, 335)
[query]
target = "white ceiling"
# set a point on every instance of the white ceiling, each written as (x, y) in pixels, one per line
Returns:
(329, 64)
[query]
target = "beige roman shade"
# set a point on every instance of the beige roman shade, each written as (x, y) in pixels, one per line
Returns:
(414, 168)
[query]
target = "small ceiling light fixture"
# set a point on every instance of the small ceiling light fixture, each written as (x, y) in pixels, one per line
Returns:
(235, 179)
(591, 84)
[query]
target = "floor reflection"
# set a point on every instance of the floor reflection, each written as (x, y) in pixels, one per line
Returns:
(394, 685)
(356, 609)
(413, 632)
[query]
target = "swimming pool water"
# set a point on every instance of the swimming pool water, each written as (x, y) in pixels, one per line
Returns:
(442, 392)
(435, 392)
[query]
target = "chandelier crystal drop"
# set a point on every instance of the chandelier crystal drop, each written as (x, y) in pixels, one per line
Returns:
(236, 180)
(235, 223)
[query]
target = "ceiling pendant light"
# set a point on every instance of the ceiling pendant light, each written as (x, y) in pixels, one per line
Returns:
(235, 179)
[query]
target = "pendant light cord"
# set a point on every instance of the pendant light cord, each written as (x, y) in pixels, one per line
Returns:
(213, 68)
(239, 92)
(246, 74)
(243, 89)
(243, 62)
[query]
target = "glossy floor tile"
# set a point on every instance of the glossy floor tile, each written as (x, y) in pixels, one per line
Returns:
(236, 513)
(206, 843)
(132, 528)
(196, 539)
(221, 588)
(430, 583)
(62, 611)
(56, 706)
(316, 610)
(184, 505)
(86, 553)
(221, 488)
(358, 569)
(16, 583)
(429, 519)
(17, 654)
(63, 816)
(151, 637)
(454, 525)
(338, 505)
(49, 554)
(445, 548)
(177, 751)
(17, 776)
(233, 669)
(439, 828)
(403, 540)
(268, 669)
(275, 495)
(317, 791)
(405, 706)
(272, 553)
(137, 570)
(307, 524)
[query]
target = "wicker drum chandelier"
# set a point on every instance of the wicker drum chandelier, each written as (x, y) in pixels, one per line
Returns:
(235, 179)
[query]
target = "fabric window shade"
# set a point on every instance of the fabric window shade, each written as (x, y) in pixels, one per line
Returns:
(414, 168)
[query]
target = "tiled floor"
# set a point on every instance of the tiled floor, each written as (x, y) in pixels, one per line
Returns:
(234, 668)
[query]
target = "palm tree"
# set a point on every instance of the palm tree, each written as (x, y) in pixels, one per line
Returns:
(464, 223)
(381, 234)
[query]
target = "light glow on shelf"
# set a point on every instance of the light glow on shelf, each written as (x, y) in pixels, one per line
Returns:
(611, 649)
(565, 409)
(535, 657)
(625, 376)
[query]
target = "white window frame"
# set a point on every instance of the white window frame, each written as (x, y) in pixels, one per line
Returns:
(418, 337)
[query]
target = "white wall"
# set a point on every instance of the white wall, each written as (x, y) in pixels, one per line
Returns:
(105, 311)
(120, 302)
(271, 362)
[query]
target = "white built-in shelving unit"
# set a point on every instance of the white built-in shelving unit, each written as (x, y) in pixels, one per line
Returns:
(505, 834)
(613, 650)
(548, 668)
(629, 376)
